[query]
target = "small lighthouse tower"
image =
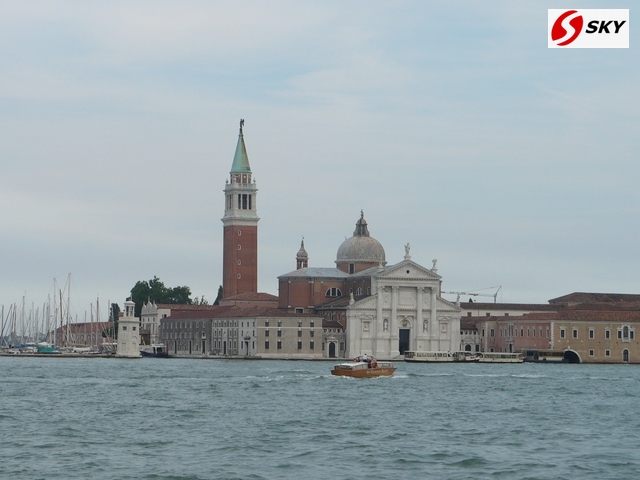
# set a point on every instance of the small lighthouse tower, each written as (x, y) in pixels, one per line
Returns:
(128, 333)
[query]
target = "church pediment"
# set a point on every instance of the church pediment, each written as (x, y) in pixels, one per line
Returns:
(409, 270)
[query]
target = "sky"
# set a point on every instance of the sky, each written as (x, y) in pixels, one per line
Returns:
(449, 123)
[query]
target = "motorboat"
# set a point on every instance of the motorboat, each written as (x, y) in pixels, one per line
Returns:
(364, 367)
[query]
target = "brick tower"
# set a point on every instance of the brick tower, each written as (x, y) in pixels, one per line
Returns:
(240, 266)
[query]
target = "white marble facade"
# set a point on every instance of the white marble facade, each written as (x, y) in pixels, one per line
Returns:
(404, 312)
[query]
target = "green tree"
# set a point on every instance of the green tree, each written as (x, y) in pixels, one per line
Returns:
(219, 297)
(114, 315)
(155, 291)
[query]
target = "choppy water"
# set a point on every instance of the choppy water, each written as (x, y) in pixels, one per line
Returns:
(216, 419)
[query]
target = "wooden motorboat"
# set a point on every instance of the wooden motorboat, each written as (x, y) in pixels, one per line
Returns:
(364, 368)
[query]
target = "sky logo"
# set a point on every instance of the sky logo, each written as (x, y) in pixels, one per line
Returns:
(588, 28)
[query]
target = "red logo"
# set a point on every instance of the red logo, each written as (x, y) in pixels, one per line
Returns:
(558, 31)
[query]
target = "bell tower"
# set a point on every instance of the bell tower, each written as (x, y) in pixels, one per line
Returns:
(240, 251)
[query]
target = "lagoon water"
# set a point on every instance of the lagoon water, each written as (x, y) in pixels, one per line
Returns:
(224, 419)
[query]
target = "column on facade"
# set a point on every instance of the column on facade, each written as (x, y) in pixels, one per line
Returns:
(419, 329)
(433, 322)
(393, 323)
(381, 335)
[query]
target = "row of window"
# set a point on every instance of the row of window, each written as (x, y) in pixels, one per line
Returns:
(279, 333)
(336, 292)
(279, 323)
(624, 333)
(279, 345)
(510, 331)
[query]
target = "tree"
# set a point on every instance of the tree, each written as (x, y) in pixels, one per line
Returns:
(155, 291)
(219, 297)
(200, 301)
(114, 315)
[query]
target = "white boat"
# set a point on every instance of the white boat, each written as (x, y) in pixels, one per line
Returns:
(500, 357)
(465, 357)
(423, 357)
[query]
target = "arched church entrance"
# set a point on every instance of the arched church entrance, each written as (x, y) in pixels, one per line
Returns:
(625, 355)
(467, 348)
(332, 350)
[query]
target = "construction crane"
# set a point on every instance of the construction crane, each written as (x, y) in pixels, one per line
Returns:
(494, 295)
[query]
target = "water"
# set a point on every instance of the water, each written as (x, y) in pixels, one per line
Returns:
(216, 419)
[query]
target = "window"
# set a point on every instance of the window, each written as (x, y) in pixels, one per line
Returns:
(506, 314)
(468, 314)
(279, 332)
(299, 310)
(124, 327)
(299, 333)
(607, 334)
(279, 323)
(592, 334)
(239, 262)
(311, 323)
(239, 232)
(488, 314)
(359, 291)
(279, 344)
(239, 276)
(311, 345)
(266, 333)
(548, 332)
(239, 247)
(352, 268)
(607, 353)
(133, 328)
(299, 323)
(333, 292)
(563, 333)
(493, 332)
(619, 333)
(534, 332)
(591, 353)
(299, 344)
(266, 344)
(574, 333)
(266, 323)
(528, 331)
(311, 333)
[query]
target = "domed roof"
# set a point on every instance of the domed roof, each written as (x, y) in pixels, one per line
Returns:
(361, 248)
(302, 253)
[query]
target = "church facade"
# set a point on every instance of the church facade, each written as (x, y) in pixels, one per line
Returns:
(384, 310)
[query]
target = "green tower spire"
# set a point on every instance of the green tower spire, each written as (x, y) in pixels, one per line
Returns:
(240, 159)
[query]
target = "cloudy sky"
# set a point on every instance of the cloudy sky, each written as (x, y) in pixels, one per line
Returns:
(451, 124)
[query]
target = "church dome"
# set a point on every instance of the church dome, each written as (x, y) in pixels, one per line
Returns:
(361, 248)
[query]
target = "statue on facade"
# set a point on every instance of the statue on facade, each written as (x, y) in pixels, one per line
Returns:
(407, 247)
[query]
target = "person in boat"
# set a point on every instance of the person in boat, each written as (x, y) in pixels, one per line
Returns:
(365, 358)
